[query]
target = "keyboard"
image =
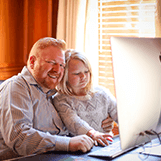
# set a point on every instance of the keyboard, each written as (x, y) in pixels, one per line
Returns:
(111, 151)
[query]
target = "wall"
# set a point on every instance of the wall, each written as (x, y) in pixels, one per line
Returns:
(22, 23)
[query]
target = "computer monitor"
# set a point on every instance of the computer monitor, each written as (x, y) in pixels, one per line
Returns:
(137, 77)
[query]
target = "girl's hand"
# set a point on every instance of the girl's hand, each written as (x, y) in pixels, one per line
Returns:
(100, 138)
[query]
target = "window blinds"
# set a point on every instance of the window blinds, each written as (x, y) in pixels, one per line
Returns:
(121, 18)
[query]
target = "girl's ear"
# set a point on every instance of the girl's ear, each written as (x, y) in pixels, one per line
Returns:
(32, 61)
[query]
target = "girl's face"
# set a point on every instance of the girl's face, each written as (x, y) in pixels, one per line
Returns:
(78, 76)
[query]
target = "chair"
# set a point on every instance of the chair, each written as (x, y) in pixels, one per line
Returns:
(1, 81)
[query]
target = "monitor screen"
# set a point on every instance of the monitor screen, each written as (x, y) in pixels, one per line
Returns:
(137, 77)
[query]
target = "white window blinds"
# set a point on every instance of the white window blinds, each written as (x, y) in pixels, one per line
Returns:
(121, 18)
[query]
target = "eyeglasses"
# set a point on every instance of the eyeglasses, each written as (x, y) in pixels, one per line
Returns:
(53, 63)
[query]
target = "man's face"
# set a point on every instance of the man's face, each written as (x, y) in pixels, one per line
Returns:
(48, 68)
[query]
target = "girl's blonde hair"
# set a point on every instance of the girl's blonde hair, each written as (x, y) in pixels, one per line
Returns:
(64, 86)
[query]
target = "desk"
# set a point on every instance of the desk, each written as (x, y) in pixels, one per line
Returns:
(78, 156)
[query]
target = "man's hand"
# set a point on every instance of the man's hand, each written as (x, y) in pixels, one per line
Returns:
(81, 142)
(108, 124)
(99, 137)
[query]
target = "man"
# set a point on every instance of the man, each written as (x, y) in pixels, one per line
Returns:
(29, 123)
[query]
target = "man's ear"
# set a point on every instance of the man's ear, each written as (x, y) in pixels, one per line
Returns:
(32, 61)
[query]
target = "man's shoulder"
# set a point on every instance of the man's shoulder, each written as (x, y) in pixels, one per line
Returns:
(15, 79)
(14, 82)
(9, 80)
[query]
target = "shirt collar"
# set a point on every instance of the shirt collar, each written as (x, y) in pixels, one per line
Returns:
(28, 76)
(31, 80)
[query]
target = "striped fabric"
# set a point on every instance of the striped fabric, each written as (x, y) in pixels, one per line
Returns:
(28, 121)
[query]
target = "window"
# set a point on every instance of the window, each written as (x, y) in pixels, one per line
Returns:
(134, 18)
(121, 18)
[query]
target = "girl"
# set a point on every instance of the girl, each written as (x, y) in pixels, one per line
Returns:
(77, 100)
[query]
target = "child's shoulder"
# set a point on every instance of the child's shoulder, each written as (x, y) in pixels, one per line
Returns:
(60, 95)
(100, 89)
(61, 98)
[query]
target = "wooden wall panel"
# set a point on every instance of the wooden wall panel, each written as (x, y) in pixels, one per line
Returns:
(158, 19)
(11, 38)
(37, 20)
(22, 23)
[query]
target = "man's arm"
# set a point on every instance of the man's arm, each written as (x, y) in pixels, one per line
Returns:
(17, 125)
(18, 130)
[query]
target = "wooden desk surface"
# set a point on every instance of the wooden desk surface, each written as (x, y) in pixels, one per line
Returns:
(78, 156)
